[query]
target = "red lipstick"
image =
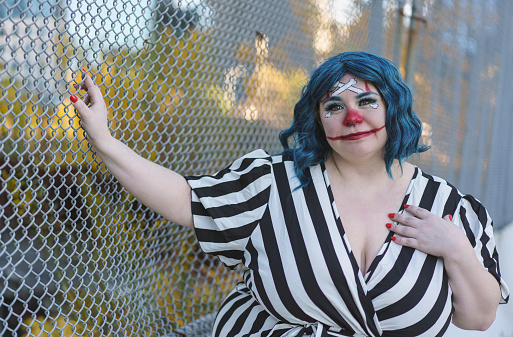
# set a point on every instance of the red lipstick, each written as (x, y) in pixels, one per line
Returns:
(356, 135)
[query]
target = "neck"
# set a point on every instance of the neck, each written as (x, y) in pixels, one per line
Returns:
(369, 170)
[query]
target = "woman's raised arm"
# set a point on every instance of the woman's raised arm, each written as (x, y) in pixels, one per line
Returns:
(162, 190)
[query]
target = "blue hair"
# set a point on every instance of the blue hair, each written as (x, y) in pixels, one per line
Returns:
(305, 140)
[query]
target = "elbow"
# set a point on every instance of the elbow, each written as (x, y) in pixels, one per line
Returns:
(482, 323)
(485, 324)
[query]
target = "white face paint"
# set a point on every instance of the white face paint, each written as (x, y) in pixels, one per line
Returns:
(350, 85)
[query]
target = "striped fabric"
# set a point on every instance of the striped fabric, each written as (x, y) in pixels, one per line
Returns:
(302, 278)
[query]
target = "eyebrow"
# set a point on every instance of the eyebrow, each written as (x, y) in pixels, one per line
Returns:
(363, 94)
(333, 98)
(338, 98)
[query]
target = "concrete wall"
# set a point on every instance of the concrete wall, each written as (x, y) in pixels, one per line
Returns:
(503, 325)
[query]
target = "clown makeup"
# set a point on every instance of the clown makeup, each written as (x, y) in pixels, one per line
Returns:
(364, 97)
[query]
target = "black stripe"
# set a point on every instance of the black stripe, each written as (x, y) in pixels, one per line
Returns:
(234, 301)
(429, 194)
(493, 265)
(258, 323)
(245, 163)
(302, 259)
(337, 274)
(466, 226)
(478, 208)
(414, 296)
(430, 319)
(253, 265)
(276, 267)
(226, 187)
(227, 235)
(198, 209)
(395, 274)
(232, 254)
(233, 209)
(239, 323)
(445, 327)
(452, 203)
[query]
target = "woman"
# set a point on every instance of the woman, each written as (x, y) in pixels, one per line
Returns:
(340, 235)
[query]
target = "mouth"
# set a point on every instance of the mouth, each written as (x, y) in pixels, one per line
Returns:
(357, 135)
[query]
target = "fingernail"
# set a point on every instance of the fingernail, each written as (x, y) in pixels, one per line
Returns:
(85, 71)
(450, 217)
(392, 238)
(73, 98)
(391, 215)
(389, 225)
(406, 206)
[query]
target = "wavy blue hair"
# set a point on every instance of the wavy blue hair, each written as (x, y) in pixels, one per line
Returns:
(305, 139)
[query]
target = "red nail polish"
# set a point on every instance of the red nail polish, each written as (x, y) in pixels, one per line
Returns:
(391, 215)
(406, 206)
(85, 71)
(450, 217)
(73, 98)
(392, 238)
(389, 225)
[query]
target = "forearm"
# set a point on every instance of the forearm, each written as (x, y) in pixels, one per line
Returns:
(162, 190)
(476, 293)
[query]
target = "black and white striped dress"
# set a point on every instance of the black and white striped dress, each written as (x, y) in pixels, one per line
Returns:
(302, 278)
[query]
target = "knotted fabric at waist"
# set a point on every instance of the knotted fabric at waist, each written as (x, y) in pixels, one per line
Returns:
(314, 330)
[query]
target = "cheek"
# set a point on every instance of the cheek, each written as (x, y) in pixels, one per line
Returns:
(331, 122)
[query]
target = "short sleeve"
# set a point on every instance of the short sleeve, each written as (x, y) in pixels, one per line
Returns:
(477, 224)
(227, 206)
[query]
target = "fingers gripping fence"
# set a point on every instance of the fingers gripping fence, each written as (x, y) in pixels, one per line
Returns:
(191, 85)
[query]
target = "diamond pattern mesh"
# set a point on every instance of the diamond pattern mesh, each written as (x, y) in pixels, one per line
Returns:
(192, 85)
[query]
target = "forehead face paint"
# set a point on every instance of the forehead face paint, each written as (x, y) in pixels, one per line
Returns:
(341, 87)
(367, 87)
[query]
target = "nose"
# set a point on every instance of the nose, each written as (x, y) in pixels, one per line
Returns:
(352, 118)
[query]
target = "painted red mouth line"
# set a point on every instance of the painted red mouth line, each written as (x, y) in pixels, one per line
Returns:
(355, 134)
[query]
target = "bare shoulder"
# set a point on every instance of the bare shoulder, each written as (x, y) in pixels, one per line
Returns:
(408, 170)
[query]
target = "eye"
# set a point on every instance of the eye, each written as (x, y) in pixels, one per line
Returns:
(334, 107)
(367, 101)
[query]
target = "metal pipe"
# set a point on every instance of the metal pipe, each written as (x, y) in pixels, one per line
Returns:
(411, 52)
(399, 31)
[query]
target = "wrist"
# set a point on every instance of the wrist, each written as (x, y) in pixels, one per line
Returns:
(460, 251)
(102, 142)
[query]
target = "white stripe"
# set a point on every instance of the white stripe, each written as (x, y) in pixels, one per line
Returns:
(232, 222)
(418, 312)
(406, 283)
(268, 281)
(241, 196)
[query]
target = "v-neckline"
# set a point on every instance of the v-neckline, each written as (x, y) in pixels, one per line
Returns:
(386, 244)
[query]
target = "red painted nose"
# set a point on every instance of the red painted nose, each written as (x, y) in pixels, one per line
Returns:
(352, 117)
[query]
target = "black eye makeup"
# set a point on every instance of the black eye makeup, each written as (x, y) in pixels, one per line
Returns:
(367, 99)
(333, 105)
(333, 108)
(370, 101)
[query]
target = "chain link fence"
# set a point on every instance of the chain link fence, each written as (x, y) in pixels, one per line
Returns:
(192, 85)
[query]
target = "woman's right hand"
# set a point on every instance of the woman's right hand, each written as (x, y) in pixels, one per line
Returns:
(164, 191)
(92, 111)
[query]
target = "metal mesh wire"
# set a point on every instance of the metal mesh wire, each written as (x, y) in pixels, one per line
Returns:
(193, 85)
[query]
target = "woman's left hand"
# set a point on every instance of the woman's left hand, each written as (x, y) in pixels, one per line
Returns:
(422, 230)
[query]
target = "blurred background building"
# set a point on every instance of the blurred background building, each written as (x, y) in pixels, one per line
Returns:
(192, 85)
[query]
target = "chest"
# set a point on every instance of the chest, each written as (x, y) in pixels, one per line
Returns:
(300, 257)
(364, 220)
